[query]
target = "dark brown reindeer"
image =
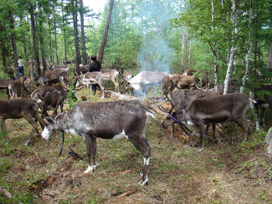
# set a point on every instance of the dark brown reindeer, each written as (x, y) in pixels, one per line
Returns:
(50, 97)
(181, 99)
(56, 76)
(106, 120)
(17, 109)
(90, 78)
(216, 110)
(111, 75)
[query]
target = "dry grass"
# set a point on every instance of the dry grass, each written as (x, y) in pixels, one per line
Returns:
(228, 171)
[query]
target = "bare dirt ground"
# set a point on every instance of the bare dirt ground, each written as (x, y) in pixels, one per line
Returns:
(227, 171)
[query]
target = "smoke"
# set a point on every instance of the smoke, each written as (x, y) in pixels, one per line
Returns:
(155, 53)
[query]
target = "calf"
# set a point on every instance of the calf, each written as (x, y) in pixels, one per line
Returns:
(106, 120)
(56, 76)
(17, 109)
(182, 99)
(91, 78)
(189, 72)
(216, 110)
(111, 75)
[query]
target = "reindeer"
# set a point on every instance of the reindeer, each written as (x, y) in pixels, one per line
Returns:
(17, 109)
(111, 75)
(126, 77)
(216, 110)
(106, 120)
(50, 97)
(82, 69)
(56, 76)
(148, 78)
(263, 103)
(4, 82)
(189, 72)
(91, 78)
(18, 87)
(181, 99)
(182, 82)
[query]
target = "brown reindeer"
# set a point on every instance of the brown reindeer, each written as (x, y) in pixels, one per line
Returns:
(17, 109)
(216, 110)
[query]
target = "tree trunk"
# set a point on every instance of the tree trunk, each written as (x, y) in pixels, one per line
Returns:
(64, 36)
(76, 34)
(249, 48)
(82, 33)
(233, 47)
(56, 43)
(105, 33)
(14, 47)
(184, 47)
(214, 51)
(3, 49)
(35, 47)
(41, 42)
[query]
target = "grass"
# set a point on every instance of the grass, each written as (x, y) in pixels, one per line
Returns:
(227, 171)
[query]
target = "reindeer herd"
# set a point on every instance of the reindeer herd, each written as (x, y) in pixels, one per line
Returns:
(123, 119)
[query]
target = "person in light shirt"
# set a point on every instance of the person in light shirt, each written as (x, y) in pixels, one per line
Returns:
(21, 66)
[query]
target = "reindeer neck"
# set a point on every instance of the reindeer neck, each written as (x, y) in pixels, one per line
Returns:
(61, 122)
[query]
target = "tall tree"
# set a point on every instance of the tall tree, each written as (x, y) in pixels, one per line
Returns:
(233, 47)
(14, 46)
(249, 47)
(74, 7)
(105, 33)
(82, 32)
(34, 37)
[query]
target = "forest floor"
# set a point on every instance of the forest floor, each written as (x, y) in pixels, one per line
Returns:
(227, 171)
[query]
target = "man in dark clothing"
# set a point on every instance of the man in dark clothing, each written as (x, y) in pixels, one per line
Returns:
(95, 66)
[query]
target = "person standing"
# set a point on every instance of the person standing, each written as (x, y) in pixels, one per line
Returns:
(95, 66)
(21, 66)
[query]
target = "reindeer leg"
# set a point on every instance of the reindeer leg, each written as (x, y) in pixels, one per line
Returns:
(142, 145)
(93, 141)
(201, 127)
(87, 139)
(29, 118)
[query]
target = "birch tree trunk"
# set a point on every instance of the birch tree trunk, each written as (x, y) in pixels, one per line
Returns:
(184, 47)
(105, 33)
(249, 48)
(233, 47)
(214, 51)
